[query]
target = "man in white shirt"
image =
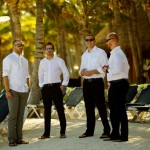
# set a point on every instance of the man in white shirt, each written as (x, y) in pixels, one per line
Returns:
(91, 69)
(118, 69)
(16, 82)
(50, 70)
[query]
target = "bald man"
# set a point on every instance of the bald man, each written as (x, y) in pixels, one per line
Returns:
(117, 76)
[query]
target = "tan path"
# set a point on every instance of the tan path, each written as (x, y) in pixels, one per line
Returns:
(139, 137)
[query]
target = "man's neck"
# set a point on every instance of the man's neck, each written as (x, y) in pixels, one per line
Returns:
(114, 46)
(90, 49)
(17, 53)
(49, 57)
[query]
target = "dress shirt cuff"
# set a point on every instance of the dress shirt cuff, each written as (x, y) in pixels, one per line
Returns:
(100, 70)
(65, 83)
(80, 73)
(5, 74)
(41, 85)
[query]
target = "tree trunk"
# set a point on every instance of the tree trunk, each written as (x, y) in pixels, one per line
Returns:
(137, 43)
(0, 63)
(118, 23)
(35, 94)
(133, 51)
(14, 19)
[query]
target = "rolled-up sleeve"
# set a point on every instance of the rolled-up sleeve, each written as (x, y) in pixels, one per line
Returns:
(6, 67)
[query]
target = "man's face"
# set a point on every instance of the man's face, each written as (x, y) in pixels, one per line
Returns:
(18, 47)
(108, 41)
(49, 50)
(90, 41)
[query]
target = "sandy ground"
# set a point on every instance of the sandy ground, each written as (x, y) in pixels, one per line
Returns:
(139, 137)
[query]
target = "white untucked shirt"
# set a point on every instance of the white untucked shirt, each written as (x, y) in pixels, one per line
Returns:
(50, 71)
(16, 68)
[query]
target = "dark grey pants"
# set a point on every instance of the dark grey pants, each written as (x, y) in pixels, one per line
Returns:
(16, 114)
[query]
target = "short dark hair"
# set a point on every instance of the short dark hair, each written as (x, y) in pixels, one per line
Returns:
(49, 43)
(89, 34)
(14, 41)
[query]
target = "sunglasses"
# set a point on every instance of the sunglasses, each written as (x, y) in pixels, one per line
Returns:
(50, 48)
(19, 45)
(89, 40)
(108, 40)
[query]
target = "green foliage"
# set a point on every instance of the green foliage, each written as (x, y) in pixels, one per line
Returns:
(141, 86)
(1, 88)
(73, 17)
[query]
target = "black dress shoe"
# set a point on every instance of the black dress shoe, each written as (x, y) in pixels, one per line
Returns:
(117, 140)
(111, 139)
(107, 139)
(103, 136)
(44, 137)
(22, 142)
(62, 136)
(84, 135)
(12, 144)
(124, 140)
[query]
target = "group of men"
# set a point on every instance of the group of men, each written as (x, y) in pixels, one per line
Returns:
(93, 68)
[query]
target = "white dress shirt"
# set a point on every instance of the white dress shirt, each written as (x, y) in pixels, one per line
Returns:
(16, 68)
(118, 65)
(94, 60)
(50, 71)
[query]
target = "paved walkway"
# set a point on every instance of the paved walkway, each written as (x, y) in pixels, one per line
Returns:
(139, 137)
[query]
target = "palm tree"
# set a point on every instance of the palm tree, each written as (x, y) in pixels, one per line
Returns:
(118, 24)
(137, 43)
(35, 94)
(14, 18)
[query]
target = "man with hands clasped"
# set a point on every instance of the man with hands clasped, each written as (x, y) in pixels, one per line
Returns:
(91, 69)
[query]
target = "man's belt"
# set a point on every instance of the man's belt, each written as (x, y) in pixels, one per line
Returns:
(52, 84)
(119, 80)
(92, 79)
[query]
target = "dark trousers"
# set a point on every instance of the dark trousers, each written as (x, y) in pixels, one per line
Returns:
(118, 116)
(93, 92)
(49, 94)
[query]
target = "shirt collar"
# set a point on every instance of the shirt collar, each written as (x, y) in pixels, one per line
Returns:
(16, 55)
(50, 59)
(93, 49)
(115, 49)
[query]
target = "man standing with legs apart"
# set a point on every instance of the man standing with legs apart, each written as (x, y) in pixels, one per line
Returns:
(91, 69)
(50, 70)
(118, 86)
(16, 82)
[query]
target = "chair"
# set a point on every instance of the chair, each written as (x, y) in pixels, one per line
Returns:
(97, 115)
(73, 107)
(37, 110)
(3, 106)
(3, 127)
(141, 105)
(132, 91)
(3, 113)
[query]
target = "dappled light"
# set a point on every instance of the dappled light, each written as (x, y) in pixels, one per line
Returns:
(33, 128)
